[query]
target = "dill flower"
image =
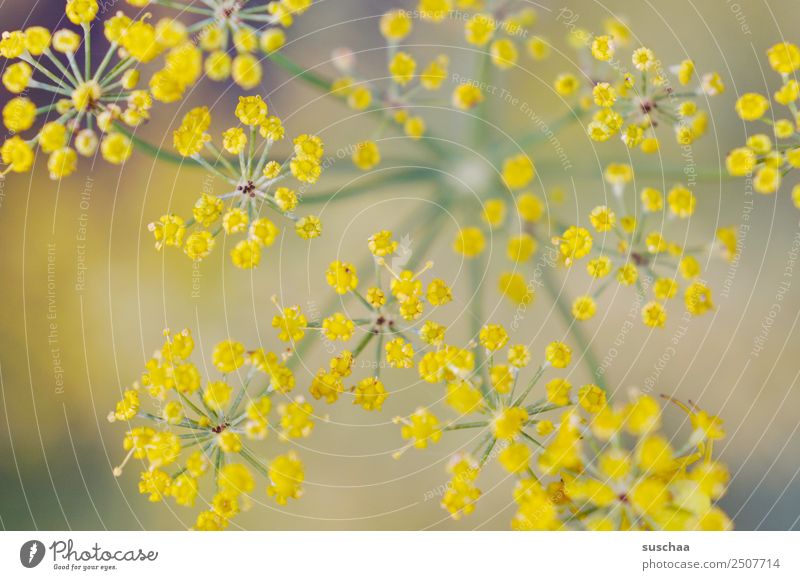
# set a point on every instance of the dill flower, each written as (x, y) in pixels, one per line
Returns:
(395, 97)
(628, 99)
(87, 97)
(649, 485)
(253, 180)
(499, 30)
(232, 35)
(389, 322)
(641, 257)
(770, 156)
(508, 424)
(195, 431)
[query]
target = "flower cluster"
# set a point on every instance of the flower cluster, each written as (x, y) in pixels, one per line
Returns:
(391, 320)
(395, 101)
(229, 32)
(198, 430)
(517, 174)
(573, 470)
(253, 179)
(631, 100)
(591, 478)
(638, 255)
(499, 27)
(770, 155)
(86, 99)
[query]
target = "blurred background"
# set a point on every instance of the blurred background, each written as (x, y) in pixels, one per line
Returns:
(85, 295)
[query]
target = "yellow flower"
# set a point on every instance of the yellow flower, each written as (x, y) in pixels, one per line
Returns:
(19, 114)
(501, 378)
(618, 174)
(463, 397)
(479, 29)
(366, 155)
(421, 428)
(584, 308)
(681, 201)
(438, 292)
(643, 59)
(558, 354)
(291, 324)
(17, 76)
(399, 353)
(286, 475)
(530, 207)
(654, 315)
(402, 68)
(592, 398)
(435, 73)
(370, 394)
(518, 171)
(17, 154)
(538, 48)
(228, 356)
(154, 484)
(509, 422)
(469, 242)
(81, 11)
(575, 244)
(467, 96)
(566, 84)
(217, 395)
(558, 391)
(432, 332)
(599, 267)
(246, 254)
(296, 419)
(514, 286)
(520, 248)
(751, 106)
(116, 148)
(519, 356)
(342, 277)
(698, 299)
(504, 53)
(434, 10)
(603, 48)
(338, 327)
(604, 95)
(308, 227)
(515, 458)
(494, 212)
(395, 25)
(602, 218)
(328, 385)
(784, 57)
(246, 71)
(493, 337)
(381, 243)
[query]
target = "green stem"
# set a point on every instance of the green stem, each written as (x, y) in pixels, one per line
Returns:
(370, 186)
(458, 426)
(298, 71)
(154, 151)
(476, 319)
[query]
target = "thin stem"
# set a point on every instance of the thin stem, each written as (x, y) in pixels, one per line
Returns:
(298, 71)
(476, 319)
(577, 333)
(87, 51)
(154, 151)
